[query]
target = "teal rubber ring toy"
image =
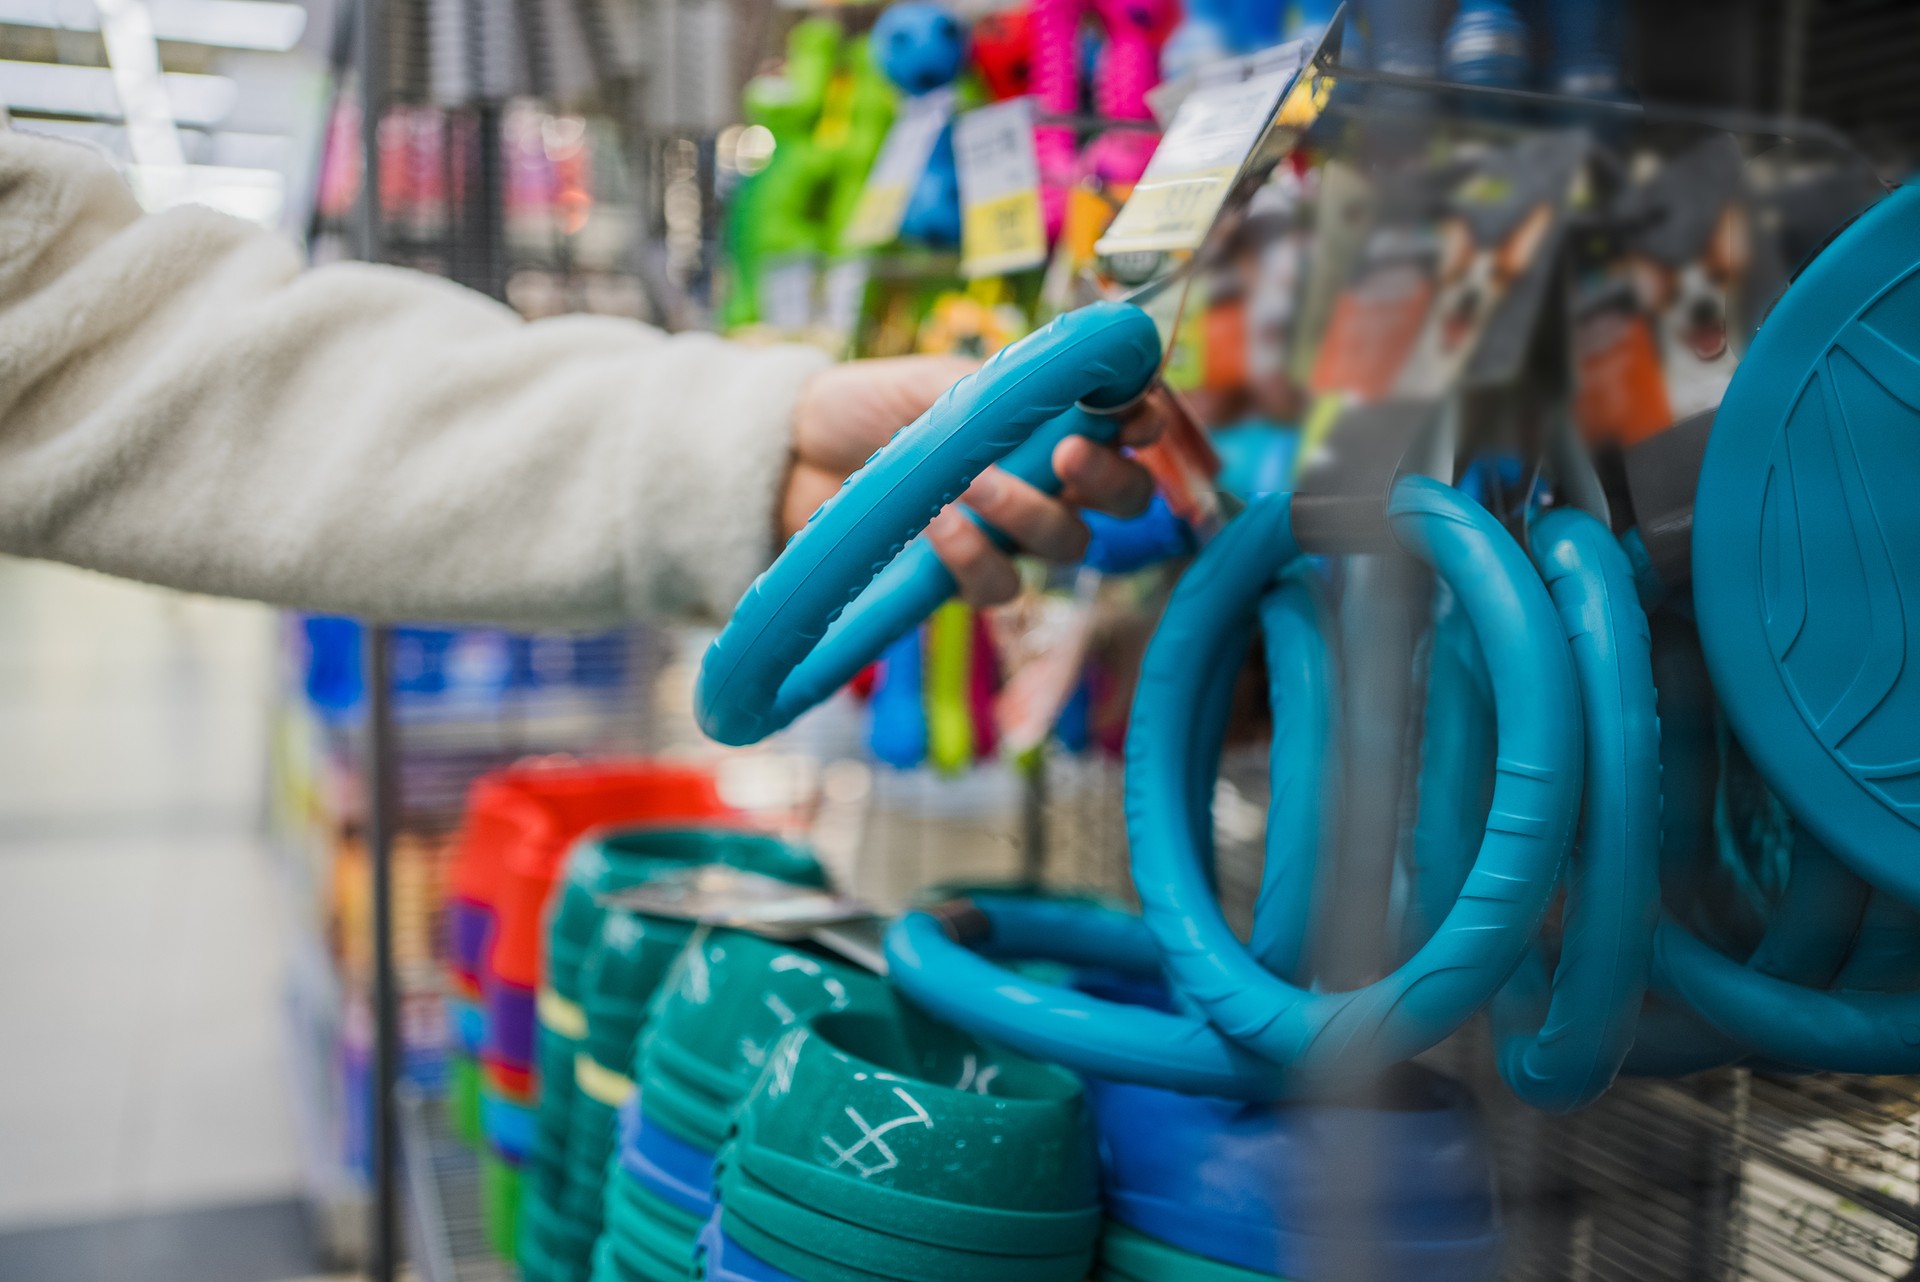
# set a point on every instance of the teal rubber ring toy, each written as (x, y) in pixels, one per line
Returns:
(1172, 1050)
(923, 1219)
(823, 1233)
(1052, 1022)
(1560, 1044)
(1324, 1038)
(1303, 772)
(1457, 748)
(1886, 951)
(1840, 1031)
(799, 633)
(1806, 943)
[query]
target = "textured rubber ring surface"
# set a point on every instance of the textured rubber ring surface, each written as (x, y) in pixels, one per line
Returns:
(1560, 1045)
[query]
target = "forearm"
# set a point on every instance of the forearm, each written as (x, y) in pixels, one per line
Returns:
(179, 403)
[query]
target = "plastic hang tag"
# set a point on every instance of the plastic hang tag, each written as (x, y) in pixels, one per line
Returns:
(896, 172)
(844, 292)
(722, 895)
(1286, 58)
(1207, 144)
(1001, 227)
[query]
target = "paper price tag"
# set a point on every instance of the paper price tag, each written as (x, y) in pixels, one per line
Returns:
(1001, 228)
(1209, 140)
(897, 170)
(786, 293)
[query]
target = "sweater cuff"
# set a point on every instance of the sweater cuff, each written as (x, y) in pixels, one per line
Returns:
(706, 517)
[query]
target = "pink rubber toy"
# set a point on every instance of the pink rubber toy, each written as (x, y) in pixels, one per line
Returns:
(1054, 27)
(1129, 67)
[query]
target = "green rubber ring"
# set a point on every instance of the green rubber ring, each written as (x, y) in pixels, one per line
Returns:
(822, 1233)
(923, 1219)
(688, 1118)
(644, 1228)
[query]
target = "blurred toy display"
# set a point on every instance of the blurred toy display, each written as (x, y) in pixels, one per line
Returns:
(1497, 719)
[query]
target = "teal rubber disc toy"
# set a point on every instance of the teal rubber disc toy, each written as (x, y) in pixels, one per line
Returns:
(1806, 547)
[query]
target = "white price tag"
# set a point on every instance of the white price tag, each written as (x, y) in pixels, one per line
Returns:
(896, 172)
(1215, 130)
(1001, 227)
(846, 290)
(786, 293)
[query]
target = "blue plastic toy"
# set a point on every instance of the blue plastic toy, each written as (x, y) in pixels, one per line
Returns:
(921, 47)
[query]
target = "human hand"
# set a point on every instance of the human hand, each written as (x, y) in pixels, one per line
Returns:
(847, 412)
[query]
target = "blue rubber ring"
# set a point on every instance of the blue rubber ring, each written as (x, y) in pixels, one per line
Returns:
(799, 633)
(1106, 1039)
(1329, 1038)
(1560, 1044)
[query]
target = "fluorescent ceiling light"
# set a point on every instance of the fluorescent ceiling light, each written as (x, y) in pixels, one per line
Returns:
(55, 90)
(225, 24)
(133, 57)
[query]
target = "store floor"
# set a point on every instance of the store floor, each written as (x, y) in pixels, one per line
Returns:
(145, 1129)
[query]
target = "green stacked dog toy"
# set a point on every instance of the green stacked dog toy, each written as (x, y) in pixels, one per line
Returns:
(883, 1147)
(560, 1207)
(723, 1006)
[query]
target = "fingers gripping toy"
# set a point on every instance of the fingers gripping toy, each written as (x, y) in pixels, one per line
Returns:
(922, 47)
(855, 578)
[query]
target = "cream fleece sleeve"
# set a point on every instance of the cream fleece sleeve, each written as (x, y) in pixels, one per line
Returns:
(181, 403)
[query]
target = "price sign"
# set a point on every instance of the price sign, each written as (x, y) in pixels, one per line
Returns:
(902, 160)
(1211, 135)
(1001, 228)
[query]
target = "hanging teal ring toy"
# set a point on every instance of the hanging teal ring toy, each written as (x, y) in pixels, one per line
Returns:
(1560, 1044)
(1303, 774)
(960, 982)
(1805, 944)
(856, 578)
(1331, 1037)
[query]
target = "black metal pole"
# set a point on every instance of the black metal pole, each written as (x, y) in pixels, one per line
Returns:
(383, 1263)
(383, 1239)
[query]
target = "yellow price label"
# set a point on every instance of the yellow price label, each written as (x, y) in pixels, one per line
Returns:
(1003, 235)
(1206, 145)
(1171, 213)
